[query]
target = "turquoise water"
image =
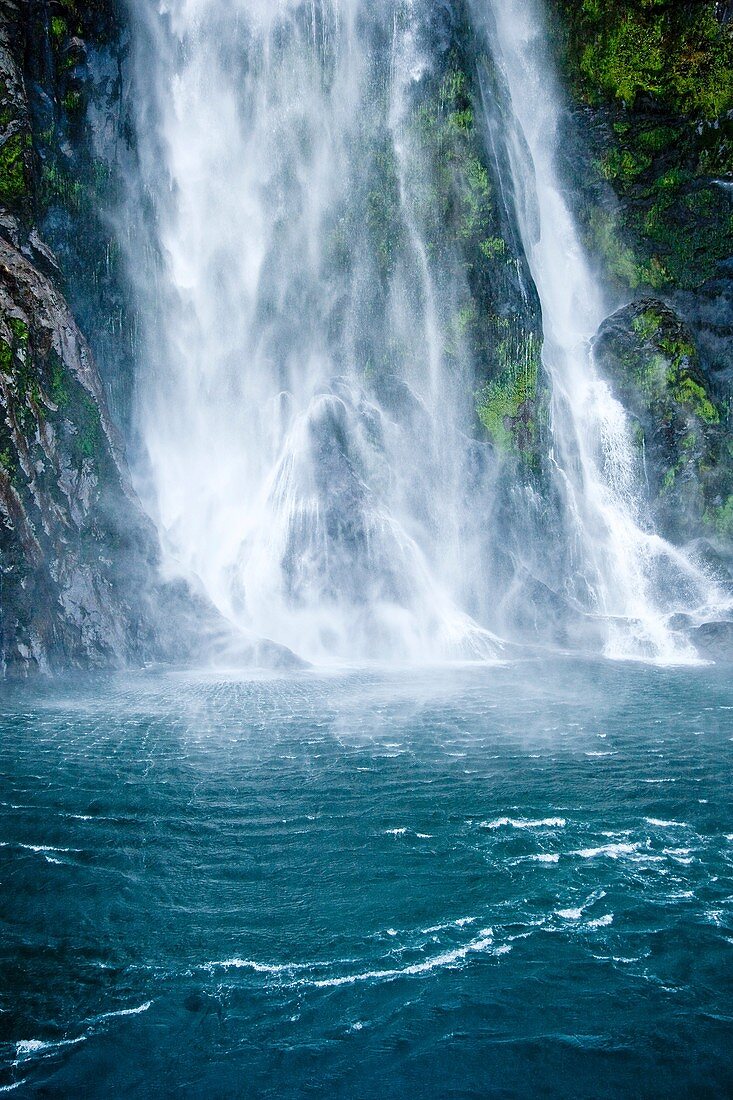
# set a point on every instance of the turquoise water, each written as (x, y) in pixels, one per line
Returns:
(462, 882)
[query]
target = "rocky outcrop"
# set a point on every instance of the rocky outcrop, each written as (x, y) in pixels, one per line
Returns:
(77, 556)
(77, 553)
(651, 360)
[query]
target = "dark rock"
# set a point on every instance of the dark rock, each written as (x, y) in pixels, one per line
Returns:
(714, 640)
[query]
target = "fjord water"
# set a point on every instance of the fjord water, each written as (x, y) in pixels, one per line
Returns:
(478, 881)
(305, 394)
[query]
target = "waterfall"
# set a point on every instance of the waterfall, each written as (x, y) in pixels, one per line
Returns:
(305, 398)
(310, 457)
(621, 568)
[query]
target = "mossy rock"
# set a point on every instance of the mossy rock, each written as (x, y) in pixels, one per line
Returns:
(655, 78)
(678, 53)
(650, 358)
(15, 154)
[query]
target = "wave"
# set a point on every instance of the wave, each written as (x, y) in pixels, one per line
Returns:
(124, 1012)
(29, 1048)
(601, 922)
(612, 851)
(483, 944)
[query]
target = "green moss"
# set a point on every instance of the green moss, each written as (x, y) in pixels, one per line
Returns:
(58, 382)
(13, 173)
(656, 139)
(648, 324)
(627, 59)
(494, 248)
(72, 102)
(661, 73)
(624, 165)
(671, 180)
(679, 53)
(89, 429)
(59, 29)
(461, 121)
(59, 187)
(692, 396)
(720, 518)
(505, 405)
(19, 330)
(607, 237)
(6, 357)
(690, 237)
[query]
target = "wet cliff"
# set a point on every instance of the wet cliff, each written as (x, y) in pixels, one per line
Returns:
(649, 155)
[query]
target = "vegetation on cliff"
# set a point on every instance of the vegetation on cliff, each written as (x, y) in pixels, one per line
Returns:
(656, 79)
(463, 215)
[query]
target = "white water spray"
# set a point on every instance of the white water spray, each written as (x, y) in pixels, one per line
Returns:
(313, 510)
(308, 437)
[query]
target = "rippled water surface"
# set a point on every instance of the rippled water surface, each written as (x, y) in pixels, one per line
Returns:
(481, 881)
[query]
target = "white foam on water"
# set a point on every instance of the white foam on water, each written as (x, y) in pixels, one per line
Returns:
(43, 848)
(569, 914)
(483, 944)
(601, 922)
(544, 857)
(125, 1012)
(611, 851)
(461, 922)
(259, 967)
(661, 824)
(28, 1048)
(524, 823)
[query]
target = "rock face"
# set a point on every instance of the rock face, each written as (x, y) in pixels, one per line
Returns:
(77, 556)
(77, 553)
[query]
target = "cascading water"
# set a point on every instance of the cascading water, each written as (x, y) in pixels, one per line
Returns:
(622, 569)
(309, 451)
(309, 437)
